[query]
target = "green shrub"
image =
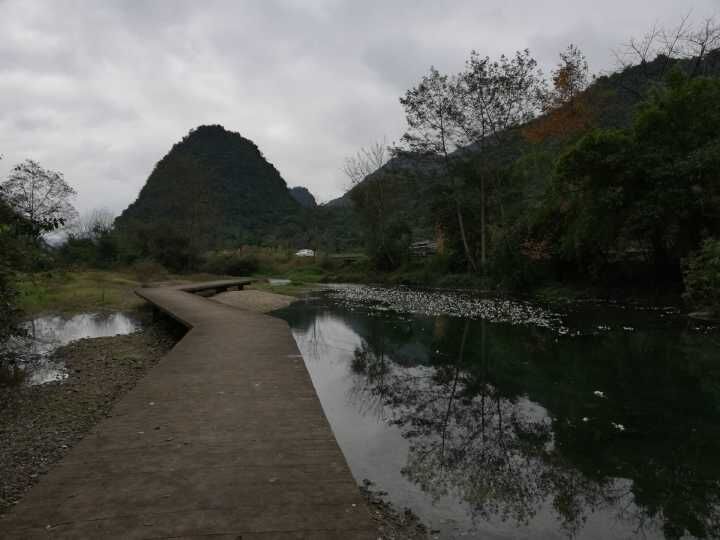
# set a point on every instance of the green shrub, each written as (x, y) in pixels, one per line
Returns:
(149, 270)
(702, 276)
(233, 263)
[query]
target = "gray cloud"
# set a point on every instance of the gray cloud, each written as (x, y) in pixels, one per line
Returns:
(101, 90)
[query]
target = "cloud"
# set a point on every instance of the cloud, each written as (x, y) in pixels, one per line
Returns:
(101, 90)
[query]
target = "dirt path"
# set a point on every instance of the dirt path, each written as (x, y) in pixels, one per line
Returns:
(252, 300)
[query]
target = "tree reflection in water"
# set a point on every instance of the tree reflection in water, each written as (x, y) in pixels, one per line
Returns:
(508, 421)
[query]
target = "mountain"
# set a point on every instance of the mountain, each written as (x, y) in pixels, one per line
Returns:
(344, 201)
(303, 197)
(213, 188)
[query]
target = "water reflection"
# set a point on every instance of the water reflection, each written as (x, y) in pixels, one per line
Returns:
(33, 363)
(504, 431)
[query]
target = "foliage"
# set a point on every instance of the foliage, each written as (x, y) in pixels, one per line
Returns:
(91, 242)
(648, 192)
(232, 263)
(303, 197)
(214, 188)
(568, 108)
(8, 291)
(702, 276)
(147, 270)
(384, 220)
(474, 111)
(12, 258)
(513, 189)
(40, 196)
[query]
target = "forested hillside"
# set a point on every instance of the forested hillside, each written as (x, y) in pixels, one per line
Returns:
(514, 200)
(216, 187)
(303, 197)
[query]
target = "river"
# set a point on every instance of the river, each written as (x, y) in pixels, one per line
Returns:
(506, 420)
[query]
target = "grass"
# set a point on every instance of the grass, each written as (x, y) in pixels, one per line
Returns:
(66, 291)
(61, 291)
(292, 289)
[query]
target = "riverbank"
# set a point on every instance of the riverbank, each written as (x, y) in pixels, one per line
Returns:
(39, 424)
(112, 290)
(73, 291)
(392, 523)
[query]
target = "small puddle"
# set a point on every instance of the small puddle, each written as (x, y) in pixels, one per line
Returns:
(278, 281)
(48, 333)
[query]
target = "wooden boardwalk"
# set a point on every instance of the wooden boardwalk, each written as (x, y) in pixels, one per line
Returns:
(224, 438)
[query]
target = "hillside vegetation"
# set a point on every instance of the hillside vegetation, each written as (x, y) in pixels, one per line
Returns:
(614, 184)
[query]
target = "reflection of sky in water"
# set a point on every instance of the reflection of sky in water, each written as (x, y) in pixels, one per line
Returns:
(525, 445)
(278, 281)
(45, 334)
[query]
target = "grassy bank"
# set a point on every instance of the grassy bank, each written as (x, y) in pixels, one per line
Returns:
(71, 291)
(67, 291)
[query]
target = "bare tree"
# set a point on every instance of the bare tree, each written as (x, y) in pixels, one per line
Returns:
(365, 162)
(682, 42)
(701, 42)
(366, 168)
(39, 195)
(93, 224)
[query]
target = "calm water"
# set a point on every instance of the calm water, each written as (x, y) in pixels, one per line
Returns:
(608, 429)
(47, 333)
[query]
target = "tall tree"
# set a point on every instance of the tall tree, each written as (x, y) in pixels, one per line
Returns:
(496, 97)
(368, 181)
(433, 110)
(40, 196)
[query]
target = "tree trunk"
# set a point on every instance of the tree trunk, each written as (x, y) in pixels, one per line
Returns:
(483, 253)
(461, 225)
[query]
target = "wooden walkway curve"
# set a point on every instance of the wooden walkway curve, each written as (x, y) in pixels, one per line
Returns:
(224, 438)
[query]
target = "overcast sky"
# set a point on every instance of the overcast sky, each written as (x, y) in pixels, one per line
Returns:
(100, 90)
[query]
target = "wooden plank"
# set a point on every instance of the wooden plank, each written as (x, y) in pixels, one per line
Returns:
(225, 436)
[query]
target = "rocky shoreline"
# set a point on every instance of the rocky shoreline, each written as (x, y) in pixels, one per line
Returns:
(393, 524)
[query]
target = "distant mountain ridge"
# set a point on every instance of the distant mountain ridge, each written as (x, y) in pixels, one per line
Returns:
(303, 196)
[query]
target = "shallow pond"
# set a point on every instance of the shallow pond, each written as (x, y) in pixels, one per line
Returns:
(47, 333)
(592, 422)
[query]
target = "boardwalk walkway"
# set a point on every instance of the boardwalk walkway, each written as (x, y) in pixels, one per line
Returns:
(224, 438)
